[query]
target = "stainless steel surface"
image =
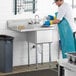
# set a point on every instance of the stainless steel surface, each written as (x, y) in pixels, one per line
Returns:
(14, 24)
(42, 54)
(36, 58)
(28, 55)
(49, 54)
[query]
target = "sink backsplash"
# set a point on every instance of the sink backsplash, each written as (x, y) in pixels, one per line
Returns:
(17, 22)
(21, 24)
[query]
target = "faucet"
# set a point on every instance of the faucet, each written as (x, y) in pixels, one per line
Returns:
(36, 19)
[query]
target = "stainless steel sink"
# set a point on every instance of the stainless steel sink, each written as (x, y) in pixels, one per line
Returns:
(14, 24)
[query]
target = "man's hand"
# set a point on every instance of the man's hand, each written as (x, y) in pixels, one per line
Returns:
(50, 22)
(56, 21)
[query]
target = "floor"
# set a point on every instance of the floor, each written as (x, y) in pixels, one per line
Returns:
(45, 69)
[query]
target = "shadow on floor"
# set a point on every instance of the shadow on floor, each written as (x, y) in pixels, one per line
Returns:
(46, 72)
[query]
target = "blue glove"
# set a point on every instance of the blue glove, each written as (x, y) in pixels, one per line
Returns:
(50, 17)
(46, 23)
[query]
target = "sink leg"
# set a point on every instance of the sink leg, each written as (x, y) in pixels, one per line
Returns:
(42, 54)
(36, 58)
(49, 54)
(28, 55)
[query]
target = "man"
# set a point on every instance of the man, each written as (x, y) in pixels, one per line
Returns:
(64, 10)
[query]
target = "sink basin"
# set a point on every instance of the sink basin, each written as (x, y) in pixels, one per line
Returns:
(34, 25)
